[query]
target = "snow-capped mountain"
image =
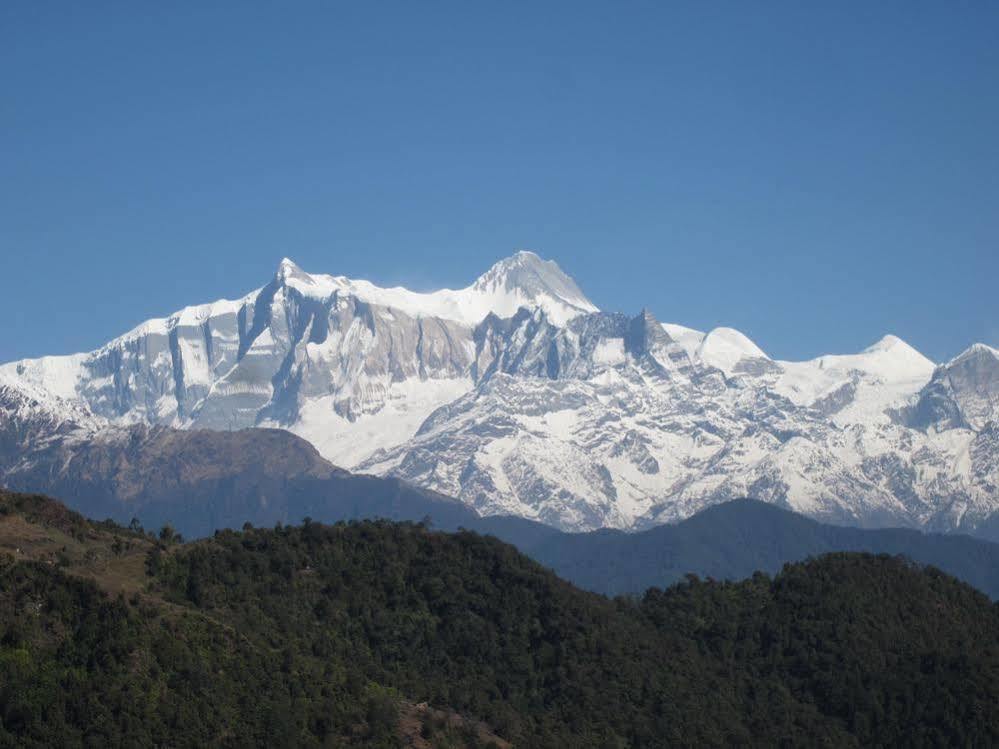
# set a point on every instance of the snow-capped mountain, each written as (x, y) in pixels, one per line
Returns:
(610, 421)
(516, 395)
(346, 364)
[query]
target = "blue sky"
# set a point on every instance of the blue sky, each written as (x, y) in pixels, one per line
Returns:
(814, 176)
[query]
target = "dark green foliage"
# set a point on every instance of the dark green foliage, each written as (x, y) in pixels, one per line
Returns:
(466, 622)
(81, 669)
(42, 510)
(892, 653)
(312, 635)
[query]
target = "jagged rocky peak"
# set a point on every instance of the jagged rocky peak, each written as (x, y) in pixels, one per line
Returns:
(525, 344)
(977, 355)
(962, 394)
(974, 379)
(645, 334)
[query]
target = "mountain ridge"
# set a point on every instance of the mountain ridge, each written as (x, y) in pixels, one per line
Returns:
(732, 540)
(517, 396)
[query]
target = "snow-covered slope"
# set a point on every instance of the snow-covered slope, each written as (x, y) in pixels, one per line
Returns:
(730, 351)
(522, 280)
(348, 365)
(516, 395)
(592, 425)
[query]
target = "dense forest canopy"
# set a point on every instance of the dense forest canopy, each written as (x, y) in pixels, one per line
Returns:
(321, 635)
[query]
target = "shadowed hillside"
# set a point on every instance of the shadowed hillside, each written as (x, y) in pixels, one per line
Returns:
(732, 540)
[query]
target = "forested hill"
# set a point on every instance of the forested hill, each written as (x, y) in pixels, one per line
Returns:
(334, 635)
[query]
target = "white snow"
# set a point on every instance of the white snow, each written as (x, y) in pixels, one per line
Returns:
(58, 375)
(973, 349)
(893, 366)
(610, 351)
(490, 293)
(29, 401)
(194, 359)
(725, 347)
(347, 443)
(575, 451)
(688, 338)
(187, 317)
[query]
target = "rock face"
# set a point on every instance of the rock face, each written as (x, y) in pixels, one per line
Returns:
(964, 393)
(517, 396)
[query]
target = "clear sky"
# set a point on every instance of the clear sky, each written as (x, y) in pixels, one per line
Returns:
(814, 174)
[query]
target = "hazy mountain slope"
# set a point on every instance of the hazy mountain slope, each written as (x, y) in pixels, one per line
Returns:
(732, 540)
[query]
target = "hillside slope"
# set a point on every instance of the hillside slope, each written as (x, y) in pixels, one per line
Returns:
(318, 635)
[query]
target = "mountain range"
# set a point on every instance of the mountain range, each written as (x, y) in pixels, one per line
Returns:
(517, 396)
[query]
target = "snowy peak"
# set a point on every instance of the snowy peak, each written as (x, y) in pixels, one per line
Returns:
(302, 337)
(288, 270)
(965, 391)
(976, 351)
(890, 361)
(688, 338)
(893, 360)
(528, 280)
(898, 358)
(726, 348)
(887, 343)
(286, 266)
(522, 280)
(527, 272)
